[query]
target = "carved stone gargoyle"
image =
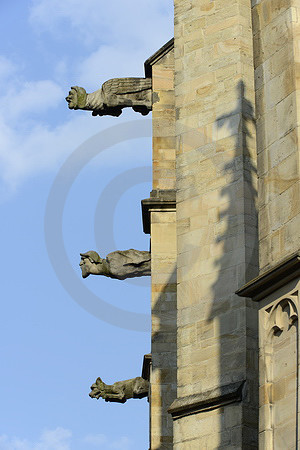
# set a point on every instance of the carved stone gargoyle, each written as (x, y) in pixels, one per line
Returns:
(119, 264)
(120, 391)
(113, 96)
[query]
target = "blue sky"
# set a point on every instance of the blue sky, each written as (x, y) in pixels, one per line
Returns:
(53, 341)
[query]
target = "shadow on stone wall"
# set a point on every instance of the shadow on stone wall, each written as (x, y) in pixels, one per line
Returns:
(164, 361)
(236, 318)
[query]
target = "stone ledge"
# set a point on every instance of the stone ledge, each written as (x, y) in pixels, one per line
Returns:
(159, 200)
(272, 279)
(205, 401)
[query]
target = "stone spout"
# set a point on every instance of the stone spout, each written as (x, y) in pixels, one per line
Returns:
(120, 391)
(113, 96)
(119, 264)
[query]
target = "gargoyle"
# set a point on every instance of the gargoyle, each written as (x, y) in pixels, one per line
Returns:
(120, 264)
(113, 96)
(121, 390)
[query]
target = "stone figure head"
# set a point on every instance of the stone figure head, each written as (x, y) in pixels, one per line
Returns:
(76, 98)
(97, 389)
(90, 263)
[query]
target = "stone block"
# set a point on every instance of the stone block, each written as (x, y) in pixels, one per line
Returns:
(286, 110)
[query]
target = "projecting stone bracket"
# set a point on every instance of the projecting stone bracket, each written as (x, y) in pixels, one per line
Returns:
(160, 200)
(205, 401)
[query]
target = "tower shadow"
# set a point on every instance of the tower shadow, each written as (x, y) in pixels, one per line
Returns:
(235, 319)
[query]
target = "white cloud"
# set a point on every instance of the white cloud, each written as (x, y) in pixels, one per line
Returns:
(30, 144)
(25, 136)
(94, 70)
(31, 97)
(103, 442)
(28, 152)
(115, 21)
(60, 70)
(50, 14)
(33, 139)
(121, 444)
(58, 439)
(7, 68)
(61, 439)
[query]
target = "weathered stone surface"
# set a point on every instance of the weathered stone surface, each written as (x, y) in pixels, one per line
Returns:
(159, 219)
(120, 391)
(279, 367)
(159, 199)
(273, 279)
(276, 59)
(216, 216)
(119, 264)
(113, 96)
(204, 401)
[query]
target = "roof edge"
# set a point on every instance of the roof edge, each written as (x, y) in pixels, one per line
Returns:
(157, 56)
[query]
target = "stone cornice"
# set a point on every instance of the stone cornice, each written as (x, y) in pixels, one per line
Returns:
(272, 279)
(159, 200)
(205, 401)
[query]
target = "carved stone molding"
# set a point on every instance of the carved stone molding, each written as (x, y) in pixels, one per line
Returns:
(279, 360)
(205, 401)
(273, 279)
(276, 320)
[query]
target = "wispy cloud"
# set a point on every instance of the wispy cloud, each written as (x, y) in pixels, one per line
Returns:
(31, 97)
(110, 41)
(115, 21)
(61, 439)
(34, 146)
(94, 69)
(7, 68)
(101, 441)
(30, 144)
(58, 439)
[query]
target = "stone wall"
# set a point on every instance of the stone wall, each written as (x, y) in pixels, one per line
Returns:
(236, 102)
(163, 119)
(279, 359)
(164, 346)
(216, 224)
(277, 295)
(276, 58)
(164, 254)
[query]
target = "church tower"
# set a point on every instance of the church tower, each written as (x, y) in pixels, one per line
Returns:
(224, 220)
